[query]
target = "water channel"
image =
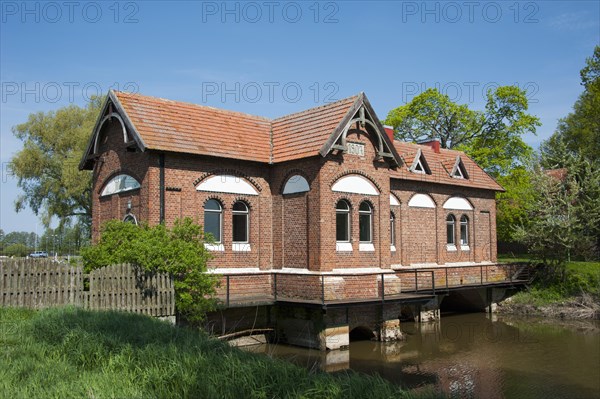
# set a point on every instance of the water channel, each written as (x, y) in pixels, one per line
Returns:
(475, 356)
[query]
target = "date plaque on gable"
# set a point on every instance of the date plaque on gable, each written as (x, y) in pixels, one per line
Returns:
(356, 149)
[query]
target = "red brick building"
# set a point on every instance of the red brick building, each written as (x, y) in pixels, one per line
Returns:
(319, 190)
(321, 208)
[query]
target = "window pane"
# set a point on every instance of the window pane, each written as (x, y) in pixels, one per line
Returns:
(342, 205)
(341, 227)
(392, 230)
(212, 205)
(365, 207)
(240, 206)
(464, 230)
(450, 232)
(212, 224)
(365, 227)
(240, 228)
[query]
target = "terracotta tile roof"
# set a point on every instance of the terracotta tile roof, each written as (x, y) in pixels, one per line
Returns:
(302, 134)
(175, 126)
(441, 165)
(182, 127)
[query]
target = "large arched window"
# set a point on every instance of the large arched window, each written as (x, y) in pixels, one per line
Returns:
(464, 231)
(342, 221)
(365, 222)
(450, 225)
(240, 223)
(213, 219)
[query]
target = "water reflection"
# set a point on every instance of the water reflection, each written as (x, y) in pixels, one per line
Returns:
(472, 355)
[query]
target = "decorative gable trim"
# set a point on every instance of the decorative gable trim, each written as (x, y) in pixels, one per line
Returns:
(419, 164)
(458, 170)
(361, 112)
(112, 108)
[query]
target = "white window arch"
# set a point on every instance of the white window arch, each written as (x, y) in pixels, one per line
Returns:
(355, 184)
(227, 184)
(394, 201)
(119, 184)
(421, 201)
(458, 203)
(296, 184)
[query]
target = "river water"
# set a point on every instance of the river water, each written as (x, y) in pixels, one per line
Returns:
(475, 356)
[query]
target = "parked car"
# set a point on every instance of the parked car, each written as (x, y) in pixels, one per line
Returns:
(38, 254)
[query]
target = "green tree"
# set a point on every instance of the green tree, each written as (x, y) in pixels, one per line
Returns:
(492, 137)
(16, 250)
(512, 204)
(47, 166)
(564, 214)
(578, 134)
(178, 251)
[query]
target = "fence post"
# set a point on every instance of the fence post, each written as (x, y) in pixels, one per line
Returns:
(433, 280)
(480, 274)
(382, 287)
(275, 286)
(447, 287)
(416, 282)
(227, 294)
(322, 289)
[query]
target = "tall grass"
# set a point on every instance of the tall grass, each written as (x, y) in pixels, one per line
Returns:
(73, 353)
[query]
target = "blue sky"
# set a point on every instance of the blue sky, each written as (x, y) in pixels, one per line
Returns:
(273, 58)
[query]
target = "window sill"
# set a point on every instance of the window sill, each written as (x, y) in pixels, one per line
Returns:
(451, 248)
(241, 247)
(393, 248)
(465, 248)
(343, 246)
(214, 247)
(366, 247)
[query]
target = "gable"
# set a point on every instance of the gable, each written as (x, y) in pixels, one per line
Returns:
(362, 114)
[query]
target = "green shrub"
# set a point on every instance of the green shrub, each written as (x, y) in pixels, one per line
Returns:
(178, 251)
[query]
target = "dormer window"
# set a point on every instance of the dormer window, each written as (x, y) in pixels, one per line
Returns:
(419, 165)
(459, 171)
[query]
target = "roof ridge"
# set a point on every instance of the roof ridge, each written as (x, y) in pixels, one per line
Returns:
(295, 114)
(167, 100)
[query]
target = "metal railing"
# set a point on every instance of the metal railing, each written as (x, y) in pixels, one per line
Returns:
(326, 288)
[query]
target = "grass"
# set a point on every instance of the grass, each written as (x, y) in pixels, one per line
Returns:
(580, 278)
(74, 353)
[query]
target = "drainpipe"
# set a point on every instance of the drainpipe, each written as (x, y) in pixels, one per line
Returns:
(161, 164)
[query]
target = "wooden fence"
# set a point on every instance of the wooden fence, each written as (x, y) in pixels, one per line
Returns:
(42, 283)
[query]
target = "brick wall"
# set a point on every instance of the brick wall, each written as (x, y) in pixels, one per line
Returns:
(297, 230)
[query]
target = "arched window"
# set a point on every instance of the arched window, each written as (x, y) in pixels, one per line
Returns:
(119, 184)
(240, 222)
(450, 223)
(342, 221)
(464, 231)
(365, 222)
(213, 219)
(392, 229)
